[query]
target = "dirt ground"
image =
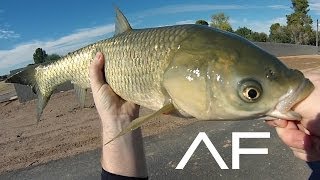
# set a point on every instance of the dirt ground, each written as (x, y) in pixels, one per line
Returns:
(302, 62)
(66, 130)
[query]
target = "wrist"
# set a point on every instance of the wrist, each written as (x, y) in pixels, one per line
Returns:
(113, 124)
(125, 155)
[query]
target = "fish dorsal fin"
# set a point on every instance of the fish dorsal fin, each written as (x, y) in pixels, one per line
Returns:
(122, 24)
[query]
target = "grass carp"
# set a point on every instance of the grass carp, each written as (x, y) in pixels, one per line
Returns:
(194, 70)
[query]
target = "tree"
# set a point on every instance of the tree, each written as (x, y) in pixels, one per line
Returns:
(259, 37)
(313, 39)
(52, 57)
(250, 35)
(299, 22)
(244, 32)
(202, 22)
(221, 21)
(39, 56)
(279, 34)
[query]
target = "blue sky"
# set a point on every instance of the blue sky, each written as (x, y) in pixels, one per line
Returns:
(63, 26)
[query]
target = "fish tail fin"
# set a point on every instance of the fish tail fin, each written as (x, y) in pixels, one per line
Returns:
(27, 77)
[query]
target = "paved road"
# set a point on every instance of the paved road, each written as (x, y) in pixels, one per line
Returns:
(164, 151)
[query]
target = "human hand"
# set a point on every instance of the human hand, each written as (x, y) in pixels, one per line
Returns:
(303, 137)
(125, 155)
(113, 110)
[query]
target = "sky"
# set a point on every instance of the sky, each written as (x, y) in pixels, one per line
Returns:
(61, 26)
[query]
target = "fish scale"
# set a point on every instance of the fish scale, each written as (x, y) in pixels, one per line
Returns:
(134, 68)
(136, 75)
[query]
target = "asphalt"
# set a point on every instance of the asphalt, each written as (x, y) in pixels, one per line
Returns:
(164, 152)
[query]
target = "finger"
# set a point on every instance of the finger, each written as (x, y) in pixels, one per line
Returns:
(270, 123)
(301, 155)
(313, 126)
(96, 72)
(292, 137)
(302, 128)
(298, 150)
(277, 123)
(311, 151)
(292, 125)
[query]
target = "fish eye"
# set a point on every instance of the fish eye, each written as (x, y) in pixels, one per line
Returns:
(251, 93)
(250, 90)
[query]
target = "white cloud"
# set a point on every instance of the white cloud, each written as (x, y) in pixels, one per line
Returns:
(181, 8)
(278, 6)
(280, 20)
(257, 26)
(8, 34)
(23, 53)
(189, 21)
(5, 31)
(315, 6)
(252, 24)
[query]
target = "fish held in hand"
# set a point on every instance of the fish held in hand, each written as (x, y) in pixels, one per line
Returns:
(195, 70)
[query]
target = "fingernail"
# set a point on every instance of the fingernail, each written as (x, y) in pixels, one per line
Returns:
(277, 121)
(271, 123)
(98, 56)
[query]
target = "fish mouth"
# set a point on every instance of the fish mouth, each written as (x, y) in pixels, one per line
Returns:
(283, 109)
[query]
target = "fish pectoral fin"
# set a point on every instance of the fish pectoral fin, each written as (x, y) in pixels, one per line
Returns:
(81, 94)
(140, 120)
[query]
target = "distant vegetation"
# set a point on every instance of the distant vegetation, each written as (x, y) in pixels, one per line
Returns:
(40, 56)
(221, 21)
(298, 29)
(251, 35)
(202, 22)
(4, 77)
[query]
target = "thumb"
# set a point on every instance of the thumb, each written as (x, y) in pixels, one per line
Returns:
(96, 72)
